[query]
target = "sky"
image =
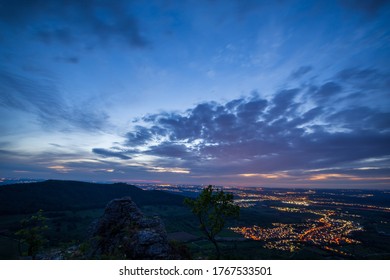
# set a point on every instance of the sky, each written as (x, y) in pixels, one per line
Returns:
(227, 92)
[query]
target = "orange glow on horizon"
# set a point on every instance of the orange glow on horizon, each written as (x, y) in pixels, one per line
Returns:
(265, 175)
(60, 168)
(322, 177)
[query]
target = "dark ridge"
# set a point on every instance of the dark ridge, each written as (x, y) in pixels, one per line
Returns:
(54, 195)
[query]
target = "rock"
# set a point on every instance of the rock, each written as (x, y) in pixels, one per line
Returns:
(123, 232)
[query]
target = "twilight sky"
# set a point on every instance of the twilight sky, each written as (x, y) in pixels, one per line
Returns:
(238, 92)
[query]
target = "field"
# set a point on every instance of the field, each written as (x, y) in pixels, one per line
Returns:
(72, 227)
(366, 223)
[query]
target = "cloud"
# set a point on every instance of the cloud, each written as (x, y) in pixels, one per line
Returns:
(364, 78)
(139, 136)
(283, 104)
(326, 92)
(362, 119)
(43, 99)
(38, 164)
(295, 129)
(167, 149)
(108, 153)
(49, 36)
(68, 59)
(296, 133)
(244, 8)
(71, 22)
(300, 72)
(370, 8)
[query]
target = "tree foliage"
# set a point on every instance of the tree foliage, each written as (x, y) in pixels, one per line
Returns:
(212, 208)
(32, 233)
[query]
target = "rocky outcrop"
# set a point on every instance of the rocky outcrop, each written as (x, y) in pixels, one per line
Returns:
(123, 232)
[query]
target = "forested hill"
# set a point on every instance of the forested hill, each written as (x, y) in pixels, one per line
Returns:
(53, 195)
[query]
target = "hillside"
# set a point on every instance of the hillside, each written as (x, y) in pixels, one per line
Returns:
(54, 195)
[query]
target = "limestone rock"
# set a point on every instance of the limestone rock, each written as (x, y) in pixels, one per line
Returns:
(123, 232)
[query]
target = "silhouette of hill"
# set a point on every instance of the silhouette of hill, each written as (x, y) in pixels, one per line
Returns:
(54, 195)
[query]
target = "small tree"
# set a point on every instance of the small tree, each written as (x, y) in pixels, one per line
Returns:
(212, 208)
(32, 231)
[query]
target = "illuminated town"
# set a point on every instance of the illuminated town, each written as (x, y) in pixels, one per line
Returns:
(331, 225)
(330, 230)
(324, 232)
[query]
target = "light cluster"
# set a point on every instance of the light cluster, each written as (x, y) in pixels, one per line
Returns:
(324, 232)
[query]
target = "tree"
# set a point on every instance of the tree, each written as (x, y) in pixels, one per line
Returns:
(212, 208)
(32, 231)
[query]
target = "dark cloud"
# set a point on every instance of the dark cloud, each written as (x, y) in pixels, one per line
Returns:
(364, 79)
(362, 119)
(371, 7)
(283, 104)
(167, 149)
(297, 128)
(56, 145)
(357, 74)
(300, 72)
(72, 59)
(251, 111)
(333, 149)
(139, 136)
(108, 153)
(327, 91)
(68, 22)
(42, 98)
(245, 8)
(20, 11)
(49, 36)
(68, 59)
(6, 153)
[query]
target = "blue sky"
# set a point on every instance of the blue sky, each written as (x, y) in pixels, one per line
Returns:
(265, 93)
